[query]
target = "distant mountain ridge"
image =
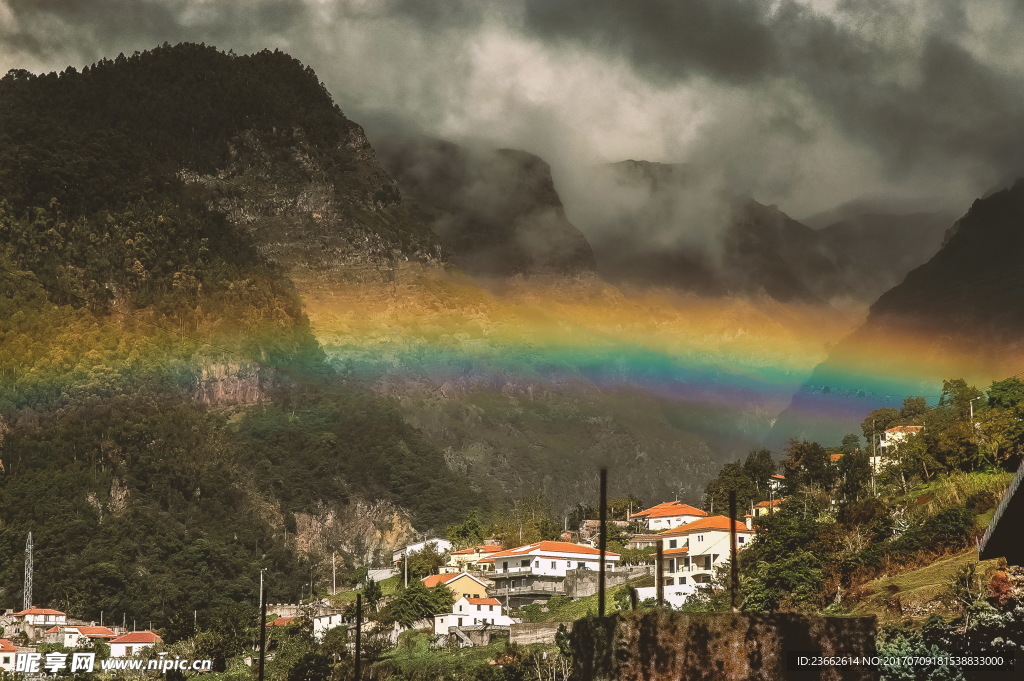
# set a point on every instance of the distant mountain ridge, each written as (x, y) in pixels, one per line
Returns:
(496, 211)
(755, 249)
(961, 308)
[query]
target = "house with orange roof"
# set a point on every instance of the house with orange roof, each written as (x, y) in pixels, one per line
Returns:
(7, 655)
(668, 515)
(469, 558)
(776, 481)
(693, 550)
(536, 572)
(41, 617)
(462, 584)
(281, 621)
(133, 643)
(73, 636)
(766, 507)
(890, 439)
(472, 612)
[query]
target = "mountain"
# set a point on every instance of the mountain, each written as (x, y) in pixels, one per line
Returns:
(669, 226)
(957, 315)
(496, 212)
(876, 250)
(168, 422)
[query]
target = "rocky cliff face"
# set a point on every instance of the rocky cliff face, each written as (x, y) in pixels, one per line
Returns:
(317, 211)
(366, 531)
(496, 212)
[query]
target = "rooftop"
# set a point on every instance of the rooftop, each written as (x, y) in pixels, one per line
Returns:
(711, 524)
(548, 547)
(669, 509)
(138, 637)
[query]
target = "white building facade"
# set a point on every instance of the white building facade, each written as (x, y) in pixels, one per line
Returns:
(472, 612)
(693, 551)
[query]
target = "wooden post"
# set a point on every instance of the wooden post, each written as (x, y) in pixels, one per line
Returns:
(603, 541)
(659, 564)
(359, 637)
(733, 565)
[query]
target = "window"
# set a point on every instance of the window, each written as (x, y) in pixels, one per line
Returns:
(741, 539)
(460, 621)
(672, 543)
(554, 564)
(536, 564)
(682, 580)
(504, 566)
(580, 565)
(7, 659)
(700, 537)
(491, 607)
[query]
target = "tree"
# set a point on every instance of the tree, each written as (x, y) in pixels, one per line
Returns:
(470, 532)
(913, 411)
(854, 475)
(372, 594)
(1006, 394)
(417, 602)
(877, 422)
(759, 466)
(426, 561)
(732, 478)
(807, 463)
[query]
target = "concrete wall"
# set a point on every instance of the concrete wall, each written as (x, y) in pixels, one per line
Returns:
(526, 633)
(580, 583)
(661, 645)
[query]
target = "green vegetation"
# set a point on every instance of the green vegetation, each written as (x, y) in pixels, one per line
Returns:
(165, 412)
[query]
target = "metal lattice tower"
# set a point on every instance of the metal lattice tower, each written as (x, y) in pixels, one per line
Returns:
(28, 572)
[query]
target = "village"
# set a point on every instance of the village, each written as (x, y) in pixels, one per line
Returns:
(489, 585)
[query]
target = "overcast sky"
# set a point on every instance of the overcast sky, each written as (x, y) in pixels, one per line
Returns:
(804, 103)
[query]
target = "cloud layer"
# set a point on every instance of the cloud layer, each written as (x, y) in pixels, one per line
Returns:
(805, 104)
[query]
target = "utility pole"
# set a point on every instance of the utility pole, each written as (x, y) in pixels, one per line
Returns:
(359, 637)
(29, 569)
(659, 562)
(734, 568)
(603, 542)
(263, 629)
(334, 573)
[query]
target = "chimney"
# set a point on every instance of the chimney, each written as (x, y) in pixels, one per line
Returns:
(749, 521)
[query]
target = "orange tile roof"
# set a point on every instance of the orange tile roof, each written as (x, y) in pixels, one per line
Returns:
(673, 552)
(434, 580)
(281, 622)
(6, 646)
(483, 601)
(548, 547)
(139, 637)
(768, 504)
(713, 523)
(669, 509)
(778, 476)
(834, 457)
(39, 611)
(96, 632)
(484, 548)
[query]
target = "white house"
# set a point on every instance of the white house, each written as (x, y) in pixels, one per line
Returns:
(675, 595)
(41, 617)
(693, 550)
(324, 623)
(776, 482)
(469, 559)
(7, 653)
(889, 440)
(767, 507)
(74, 636)
(133, 643)
(440, 545)
(548, 558)
(471, 612)
(668, 515)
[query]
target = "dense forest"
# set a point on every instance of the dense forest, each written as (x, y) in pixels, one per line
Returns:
(149, 494)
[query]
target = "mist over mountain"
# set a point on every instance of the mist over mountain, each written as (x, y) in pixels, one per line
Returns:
(496, 212)
(959, 311)
(673, 225)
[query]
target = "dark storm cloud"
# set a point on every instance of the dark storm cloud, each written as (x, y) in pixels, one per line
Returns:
(950, 103)
(858, 95)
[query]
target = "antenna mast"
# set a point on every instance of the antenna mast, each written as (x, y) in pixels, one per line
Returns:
(28, 573)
